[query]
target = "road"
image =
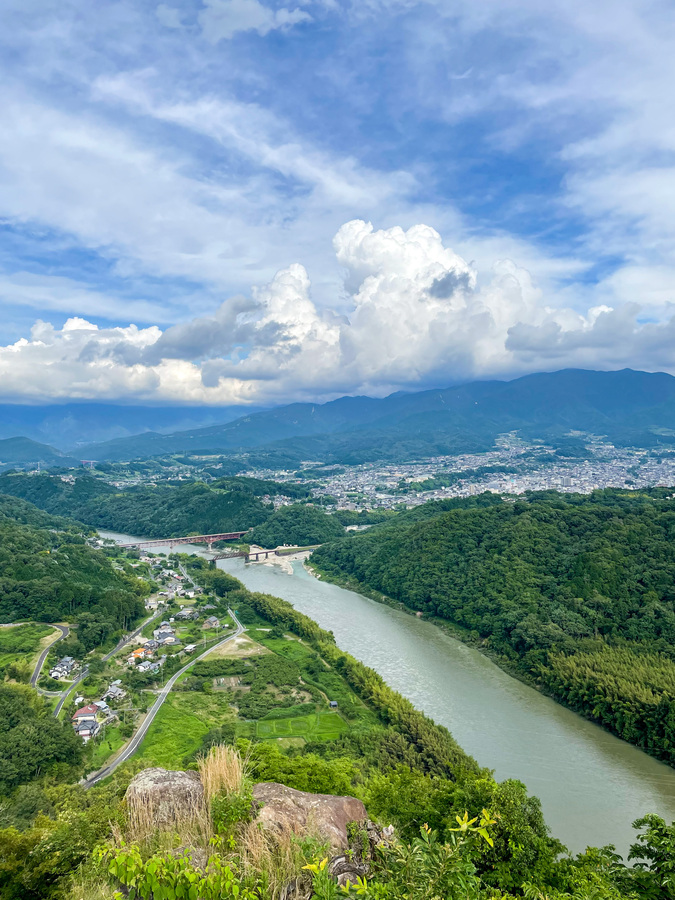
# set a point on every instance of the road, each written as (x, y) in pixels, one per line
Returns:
(120, 645)
(65, 631)
(137, 739)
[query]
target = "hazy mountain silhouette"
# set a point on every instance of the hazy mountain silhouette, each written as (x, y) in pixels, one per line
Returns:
(625, 406)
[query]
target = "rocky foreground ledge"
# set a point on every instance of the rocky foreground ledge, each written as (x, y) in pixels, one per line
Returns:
(167, 799)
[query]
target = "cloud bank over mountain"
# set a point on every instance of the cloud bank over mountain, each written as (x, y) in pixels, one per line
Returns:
(416, 315)
(173, 174)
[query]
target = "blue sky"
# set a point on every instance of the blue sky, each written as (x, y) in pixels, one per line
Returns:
(236, 201)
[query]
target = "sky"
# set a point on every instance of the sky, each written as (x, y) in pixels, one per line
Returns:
(257, 202)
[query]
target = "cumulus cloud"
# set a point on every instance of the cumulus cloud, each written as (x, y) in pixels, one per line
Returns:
(222, 19)
(417, 315)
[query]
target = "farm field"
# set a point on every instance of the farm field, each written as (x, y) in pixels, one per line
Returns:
(105, 747)
(320, 726)
(180, 725)
(23, 643)
(314, 672)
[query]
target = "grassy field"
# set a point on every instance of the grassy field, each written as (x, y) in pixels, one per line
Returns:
(319, 726)
(181, 724)
(23, 643)
(329, 682)
(187, 716)
(104, 749)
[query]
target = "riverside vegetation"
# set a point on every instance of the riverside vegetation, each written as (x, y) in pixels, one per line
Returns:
(460, 834)
(576, 593)
(173, 510)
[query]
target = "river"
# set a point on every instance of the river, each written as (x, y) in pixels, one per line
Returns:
(591, 784)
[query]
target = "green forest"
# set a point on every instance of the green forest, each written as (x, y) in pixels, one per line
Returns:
(297, 524)
(228, 504)
(50, 574)
(459, 834)
(575, 592)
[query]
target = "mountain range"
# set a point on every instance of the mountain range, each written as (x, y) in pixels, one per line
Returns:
(21, 451)
(70, 425)
(626, 407)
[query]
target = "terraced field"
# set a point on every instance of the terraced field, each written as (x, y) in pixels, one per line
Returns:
(324, 725)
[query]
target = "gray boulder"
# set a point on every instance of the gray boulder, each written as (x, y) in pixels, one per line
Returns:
(158, 798)
(325, 815)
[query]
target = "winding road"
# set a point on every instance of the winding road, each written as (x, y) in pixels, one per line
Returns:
(65, 631)
(116, 649)
(137, 739)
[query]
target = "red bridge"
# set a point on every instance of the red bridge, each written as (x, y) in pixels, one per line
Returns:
(191, 539)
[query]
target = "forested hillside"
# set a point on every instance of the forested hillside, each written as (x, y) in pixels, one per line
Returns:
(49, 573)
(577, 592)
(459, 833)
(296, 524)
(229, 504)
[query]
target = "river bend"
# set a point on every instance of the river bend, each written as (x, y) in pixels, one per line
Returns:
(592, 785)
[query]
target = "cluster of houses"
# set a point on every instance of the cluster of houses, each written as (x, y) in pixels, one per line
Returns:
(63, 668)
(88, 720)
(188, 614)
(141, 658)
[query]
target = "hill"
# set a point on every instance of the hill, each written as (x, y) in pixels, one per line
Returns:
(299, 525)
(626, 406)
(21, 452)
(49, 573)
(229, 504)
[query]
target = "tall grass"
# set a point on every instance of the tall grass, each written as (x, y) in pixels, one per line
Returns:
(274, 859)
(222, 771)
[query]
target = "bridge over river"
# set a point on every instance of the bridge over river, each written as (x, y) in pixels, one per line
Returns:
(209, 539)
(259, 553)
(592, 785)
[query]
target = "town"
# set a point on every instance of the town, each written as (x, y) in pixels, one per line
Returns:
(513, 467)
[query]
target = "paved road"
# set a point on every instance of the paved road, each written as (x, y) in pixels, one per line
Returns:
(120, 645)
(43, 656)
(137, 739)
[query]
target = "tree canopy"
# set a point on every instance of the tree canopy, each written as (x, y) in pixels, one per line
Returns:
(576, 591)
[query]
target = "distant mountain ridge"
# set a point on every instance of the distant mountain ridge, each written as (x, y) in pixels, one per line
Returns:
(70, 425)
(626, 406)
(21, 451)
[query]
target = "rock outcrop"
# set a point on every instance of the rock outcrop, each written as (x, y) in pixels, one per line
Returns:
(158, 798)
(327, 816)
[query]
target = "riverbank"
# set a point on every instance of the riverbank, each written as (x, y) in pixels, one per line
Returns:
(473, 639)
(285, 562)
(592, 785)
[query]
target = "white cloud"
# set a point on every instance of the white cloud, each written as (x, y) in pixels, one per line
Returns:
(56, 293)
(184, 163)
(418, 315)
(263, 139)
(222, 19)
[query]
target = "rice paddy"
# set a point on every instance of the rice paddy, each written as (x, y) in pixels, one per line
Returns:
(323, 725)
